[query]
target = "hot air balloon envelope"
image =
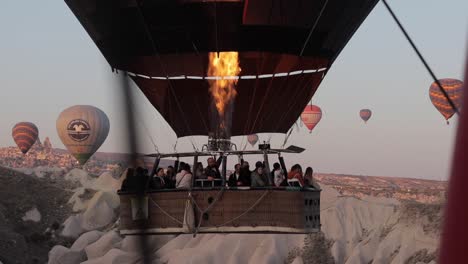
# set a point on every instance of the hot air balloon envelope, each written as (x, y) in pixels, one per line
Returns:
(282, 76)
(365, 114)
(25, 135)
(454, 89)
(82, 129)
(311, 116)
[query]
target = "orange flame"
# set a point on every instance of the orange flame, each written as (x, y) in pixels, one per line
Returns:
(225, 66)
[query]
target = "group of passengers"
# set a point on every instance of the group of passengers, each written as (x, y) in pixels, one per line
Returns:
(241, 177)
(259, 177)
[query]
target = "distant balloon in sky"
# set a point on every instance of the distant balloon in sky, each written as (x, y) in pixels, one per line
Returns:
(454, 89)
(252, 139)
(25, 135)
(311, 116)
(365, 114)
(82, 129)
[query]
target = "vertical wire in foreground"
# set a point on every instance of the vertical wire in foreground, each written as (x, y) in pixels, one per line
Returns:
(128, 104)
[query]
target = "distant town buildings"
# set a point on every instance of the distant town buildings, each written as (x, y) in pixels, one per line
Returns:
(420, 190)
(45, 155)
(424, 191)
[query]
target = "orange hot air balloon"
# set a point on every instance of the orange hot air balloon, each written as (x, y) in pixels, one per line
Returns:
(25, 135)
(365, 114)
(311, 116)
(252, 139)
(454, 89)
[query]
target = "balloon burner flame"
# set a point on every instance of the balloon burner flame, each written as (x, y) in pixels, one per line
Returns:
(224, 66)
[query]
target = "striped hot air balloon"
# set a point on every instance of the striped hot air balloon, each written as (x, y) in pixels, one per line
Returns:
(365, 114)
(252, 139)
(454, 89)
(25, 135)
(82, 129)
(311, 116)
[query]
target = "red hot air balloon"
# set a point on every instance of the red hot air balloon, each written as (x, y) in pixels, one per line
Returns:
(311, 116)
(252, 139)
(25, 135)
(365, 114)
(454, 89)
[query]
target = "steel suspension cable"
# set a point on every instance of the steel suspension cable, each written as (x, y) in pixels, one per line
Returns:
(301, 53)
(287, 136)
(313, 28)
(426, 65)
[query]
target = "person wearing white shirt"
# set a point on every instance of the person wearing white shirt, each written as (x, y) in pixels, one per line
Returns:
(278, 174)
(184, 178)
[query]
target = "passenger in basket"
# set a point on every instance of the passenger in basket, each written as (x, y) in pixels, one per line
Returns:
(308, 178)
(258, 177)
(199, 172)
(278, 175)
(129, 183)
(158, 179)
(181, 165)
(296, 173)
(184, 178)
(141, 180)
(245, 173)
(212, 171)
(236, 179)
(170, 177)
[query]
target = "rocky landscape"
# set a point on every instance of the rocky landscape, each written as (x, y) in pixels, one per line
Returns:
(53, 211)
(72, 217)
(409, 189)
(31, 211)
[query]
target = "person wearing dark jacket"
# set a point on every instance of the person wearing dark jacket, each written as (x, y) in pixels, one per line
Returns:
(237, 178)
(158, 179)
(245, 173)
(169, 179)
(212, 170)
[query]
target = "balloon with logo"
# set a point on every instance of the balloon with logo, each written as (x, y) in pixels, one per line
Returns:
(82, 129)
(311, 116)
(25, 135)
(454, 89)
(365, 114)
(252, 139)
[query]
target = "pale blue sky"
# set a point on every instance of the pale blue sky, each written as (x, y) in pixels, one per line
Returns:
(48, 63)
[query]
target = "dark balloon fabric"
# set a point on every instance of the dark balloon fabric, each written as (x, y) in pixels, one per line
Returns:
(25, 135)
(285, 48)
(264, 103)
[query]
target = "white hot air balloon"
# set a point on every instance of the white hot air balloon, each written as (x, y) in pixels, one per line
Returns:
(82, 129)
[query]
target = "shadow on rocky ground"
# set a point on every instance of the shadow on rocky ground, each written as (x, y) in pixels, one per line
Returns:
(29, 241)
